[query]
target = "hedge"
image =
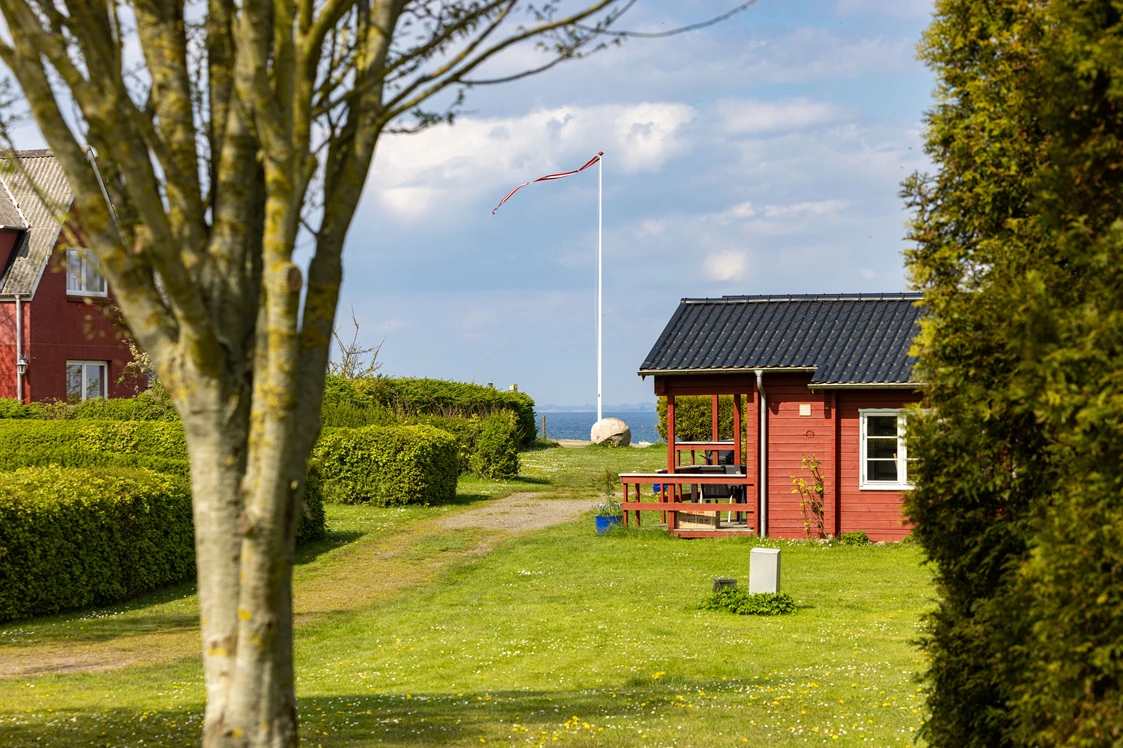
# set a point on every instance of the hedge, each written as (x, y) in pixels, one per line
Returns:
(387, 465)
(124, 444)
(152, 405)
(146, 438)
(407, 398)
(694, 417)
(487, 447)
(72, 537)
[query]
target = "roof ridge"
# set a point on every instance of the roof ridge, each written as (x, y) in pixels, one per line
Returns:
(778, 298)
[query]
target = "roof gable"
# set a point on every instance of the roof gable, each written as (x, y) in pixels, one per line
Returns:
(36, 187)
(847, 339)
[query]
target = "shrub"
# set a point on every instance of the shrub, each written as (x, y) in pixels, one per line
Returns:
(12, 408)
(347, 416)
(153, 446)
(740, 601)
(387, 465)
(408, 398)
(694, 419)
(150, 405)
(149, 438)
(854, 538)
(497, 448)
(72, 537)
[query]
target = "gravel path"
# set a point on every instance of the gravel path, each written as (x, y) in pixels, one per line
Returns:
(520, 512)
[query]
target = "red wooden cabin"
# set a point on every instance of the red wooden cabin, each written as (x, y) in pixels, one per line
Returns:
(56, 342)
(833, 373)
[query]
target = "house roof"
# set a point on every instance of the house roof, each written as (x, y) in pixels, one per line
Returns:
(35, 191)
(845, 339)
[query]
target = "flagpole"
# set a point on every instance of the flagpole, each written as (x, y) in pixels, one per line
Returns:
(600, 285)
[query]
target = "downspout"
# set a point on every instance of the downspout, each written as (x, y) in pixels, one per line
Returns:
(762, 514)
(19, 350)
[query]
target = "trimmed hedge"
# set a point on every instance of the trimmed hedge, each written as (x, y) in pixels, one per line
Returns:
(497, 447)
(387, 465)
(407, 398)
(72, 538)
(125, 444)
(151, 405)
(145, 438)
(487, 447)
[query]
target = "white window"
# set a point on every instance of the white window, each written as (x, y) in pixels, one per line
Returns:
(885, 463)
(85, 380)
(82, 276)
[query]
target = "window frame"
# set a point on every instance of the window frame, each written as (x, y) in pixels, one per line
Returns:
(85, 388)
(865, 483)
(85, 265)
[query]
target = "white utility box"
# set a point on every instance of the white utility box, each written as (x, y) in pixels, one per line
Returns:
(764, 570)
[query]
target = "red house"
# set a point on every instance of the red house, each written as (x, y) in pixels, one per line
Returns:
(823, 376)
(56, 342)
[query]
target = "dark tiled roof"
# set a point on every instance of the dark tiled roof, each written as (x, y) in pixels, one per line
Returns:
(846, 339)
(35, 182)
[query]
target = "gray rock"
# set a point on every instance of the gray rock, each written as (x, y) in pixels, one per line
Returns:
(611, 430)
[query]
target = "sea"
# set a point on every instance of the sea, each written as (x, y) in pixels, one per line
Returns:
(577, 424)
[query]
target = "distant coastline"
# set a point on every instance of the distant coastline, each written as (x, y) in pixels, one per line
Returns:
(624, 408)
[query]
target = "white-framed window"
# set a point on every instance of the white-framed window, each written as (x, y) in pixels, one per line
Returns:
(82, 276)
(86, 380)
(884, 455)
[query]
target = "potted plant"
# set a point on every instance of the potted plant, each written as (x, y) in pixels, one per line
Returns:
(609, 514)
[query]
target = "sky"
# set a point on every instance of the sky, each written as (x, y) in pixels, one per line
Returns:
(760, 156)
(763, 155)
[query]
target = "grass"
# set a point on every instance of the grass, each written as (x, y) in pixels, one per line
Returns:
(558, 637)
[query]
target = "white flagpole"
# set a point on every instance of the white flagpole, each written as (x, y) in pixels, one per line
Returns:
(600, 298)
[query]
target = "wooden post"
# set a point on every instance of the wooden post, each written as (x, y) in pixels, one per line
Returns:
(670, 433)
(737, 441)
(624, 506)
(737, 428)
(543, 427)
(836, 468)
(713, 429)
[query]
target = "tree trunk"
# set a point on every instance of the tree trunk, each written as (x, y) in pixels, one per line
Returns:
(244, 568)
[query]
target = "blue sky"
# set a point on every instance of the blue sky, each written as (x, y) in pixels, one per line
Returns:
(762, 156)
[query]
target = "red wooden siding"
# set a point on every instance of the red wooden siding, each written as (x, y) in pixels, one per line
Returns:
(878, 513)
(70, 328)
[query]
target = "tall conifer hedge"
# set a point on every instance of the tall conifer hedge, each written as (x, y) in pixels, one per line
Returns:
(1019, 253)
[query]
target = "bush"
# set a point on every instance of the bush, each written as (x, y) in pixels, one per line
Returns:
(408, 398)
(694, 419)
(740, 601)
(387, 465)
(153, 446)
(854, 538)
(12, 408)
(346, 416)
(72, 538)
(497, 447)
(150, 405)
(148, 438)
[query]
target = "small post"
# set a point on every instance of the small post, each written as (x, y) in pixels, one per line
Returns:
(543, 427)
(764, 570)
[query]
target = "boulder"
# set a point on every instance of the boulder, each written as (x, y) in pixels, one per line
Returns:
(611, 430)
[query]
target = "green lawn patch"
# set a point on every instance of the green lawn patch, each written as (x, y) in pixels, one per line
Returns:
(559, 637)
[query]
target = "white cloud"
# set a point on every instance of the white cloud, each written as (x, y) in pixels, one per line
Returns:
(756, 117)
(867, 273)
(478, 159)
(820, 208)
(726, 265)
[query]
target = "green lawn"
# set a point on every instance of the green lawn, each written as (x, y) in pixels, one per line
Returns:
(554, 637)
